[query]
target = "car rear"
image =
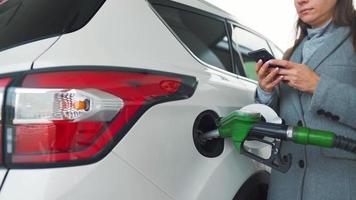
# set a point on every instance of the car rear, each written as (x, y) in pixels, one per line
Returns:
(99, 101)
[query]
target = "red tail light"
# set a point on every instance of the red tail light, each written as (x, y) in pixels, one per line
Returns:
(3, 84)
(76, 117)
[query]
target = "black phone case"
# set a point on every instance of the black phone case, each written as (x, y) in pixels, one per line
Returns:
(262, 54)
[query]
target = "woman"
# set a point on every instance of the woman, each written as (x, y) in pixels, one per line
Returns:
(316, 88)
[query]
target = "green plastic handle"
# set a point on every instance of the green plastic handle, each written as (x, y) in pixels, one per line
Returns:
(304, 135)
(237, 125)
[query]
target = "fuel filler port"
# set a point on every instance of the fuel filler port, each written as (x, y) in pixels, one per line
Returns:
(207, 121)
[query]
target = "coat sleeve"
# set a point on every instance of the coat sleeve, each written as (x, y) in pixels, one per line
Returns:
(335, 100)
(272, 100)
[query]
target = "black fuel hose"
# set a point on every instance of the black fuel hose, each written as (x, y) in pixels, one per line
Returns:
(344, 143)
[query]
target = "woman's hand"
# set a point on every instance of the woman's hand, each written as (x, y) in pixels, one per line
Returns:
(268, 78)
(298, 76)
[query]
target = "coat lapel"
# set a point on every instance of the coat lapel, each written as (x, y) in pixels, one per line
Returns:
(337, 38)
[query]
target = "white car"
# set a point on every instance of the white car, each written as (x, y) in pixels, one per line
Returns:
(106, 99)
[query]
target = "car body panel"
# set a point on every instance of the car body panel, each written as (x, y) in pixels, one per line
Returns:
(217, 90)
(3, 172)
(121, 42)
(182, 173)
(110, 178)
(157, 158)
(21, 57)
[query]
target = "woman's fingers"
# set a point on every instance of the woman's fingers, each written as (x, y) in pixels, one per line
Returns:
(290, 81)
(271, 76)
(268, 82)
(258, 65)
(286, 72)
(274, 83)
(282, 63)
(262, 72)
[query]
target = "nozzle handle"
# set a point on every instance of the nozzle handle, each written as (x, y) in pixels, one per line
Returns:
(275, 161)
(265, 129)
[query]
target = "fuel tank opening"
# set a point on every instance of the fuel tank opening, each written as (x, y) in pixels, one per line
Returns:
(206, 121)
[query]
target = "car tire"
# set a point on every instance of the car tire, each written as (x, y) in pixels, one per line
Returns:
(255, 188)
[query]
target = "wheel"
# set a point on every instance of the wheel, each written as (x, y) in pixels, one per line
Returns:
(255, 188)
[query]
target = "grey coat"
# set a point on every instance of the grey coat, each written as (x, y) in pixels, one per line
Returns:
(317, 173)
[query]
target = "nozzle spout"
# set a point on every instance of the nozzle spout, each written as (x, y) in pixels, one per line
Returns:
(210, 135)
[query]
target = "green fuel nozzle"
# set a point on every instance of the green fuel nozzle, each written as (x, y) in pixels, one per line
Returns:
(242, 126)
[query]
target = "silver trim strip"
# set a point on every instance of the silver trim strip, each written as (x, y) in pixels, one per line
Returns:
(290, 132)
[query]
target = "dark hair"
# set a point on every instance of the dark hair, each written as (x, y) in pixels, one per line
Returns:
(344, 15)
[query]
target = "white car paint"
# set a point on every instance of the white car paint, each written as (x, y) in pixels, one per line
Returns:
(21, 57)
(111, 178)
(157, 158)
(113, 40)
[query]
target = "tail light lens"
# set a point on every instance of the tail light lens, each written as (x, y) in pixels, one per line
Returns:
(4, 82)
(60, 118)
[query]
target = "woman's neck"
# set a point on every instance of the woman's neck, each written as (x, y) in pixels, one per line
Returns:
(322, 24)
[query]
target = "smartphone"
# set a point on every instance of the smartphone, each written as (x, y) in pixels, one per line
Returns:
(262, 54)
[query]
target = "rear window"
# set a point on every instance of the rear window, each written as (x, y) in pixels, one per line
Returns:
(246, 41)
(205, 37)
(23, 21)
